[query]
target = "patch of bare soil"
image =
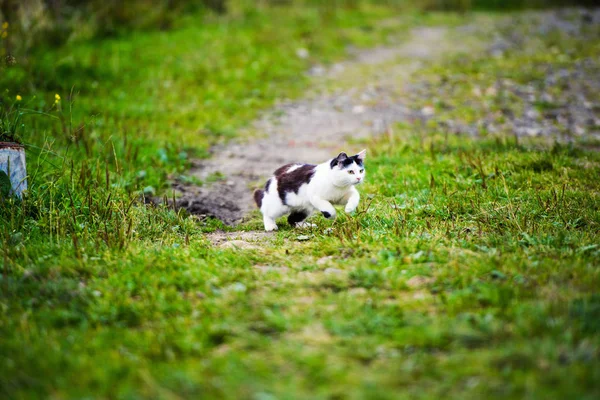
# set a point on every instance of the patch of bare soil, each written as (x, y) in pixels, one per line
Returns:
(315, 128)
(240, 240)
(561, 103)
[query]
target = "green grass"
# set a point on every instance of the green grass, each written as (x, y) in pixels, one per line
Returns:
(438, 289)
(133, 110)
(470, 271)
(126, 98)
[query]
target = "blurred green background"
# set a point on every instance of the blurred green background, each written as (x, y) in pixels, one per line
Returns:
(54, 22)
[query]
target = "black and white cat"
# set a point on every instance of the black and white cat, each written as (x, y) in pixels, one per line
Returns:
(301, 189)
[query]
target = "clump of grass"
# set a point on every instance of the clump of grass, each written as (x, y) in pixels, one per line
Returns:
(10, 119)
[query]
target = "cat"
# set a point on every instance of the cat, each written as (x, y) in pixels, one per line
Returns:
(301, 189)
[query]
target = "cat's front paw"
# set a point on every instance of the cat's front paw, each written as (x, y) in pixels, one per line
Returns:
(350, 210)
(328, 214)
(270, 227)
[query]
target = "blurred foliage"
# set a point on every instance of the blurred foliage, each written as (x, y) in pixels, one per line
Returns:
(36, 22)
(467, 5)
(56, 21)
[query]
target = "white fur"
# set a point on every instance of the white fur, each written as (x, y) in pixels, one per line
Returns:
(327, 187)
(293, 168)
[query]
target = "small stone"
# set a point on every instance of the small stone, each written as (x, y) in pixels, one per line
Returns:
(237, 287)
(338, 68)
(427, 111)
(419, 295)
(317, 70)
(419, 281)
(532, 114)
(358, 109)
(333, 271)
(579, 130)
(324, 260)
(200, 295)
(532, 131)
(238, 244)
(270, 268)
(302, 53)
(491, 91)
(547, 97)
(302, 238)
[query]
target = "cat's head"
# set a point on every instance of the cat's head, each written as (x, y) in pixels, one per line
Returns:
(348, 170)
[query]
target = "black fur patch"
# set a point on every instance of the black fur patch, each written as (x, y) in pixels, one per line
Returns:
(325, 214)
(291, 181)
(267, 185)
(296, 217)
(355, 159)
(258, 197)
(344, 161)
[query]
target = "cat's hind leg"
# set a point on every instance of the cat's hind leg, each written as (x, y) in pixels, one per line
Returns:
(297, 219)
(272, 207)
(271, 211)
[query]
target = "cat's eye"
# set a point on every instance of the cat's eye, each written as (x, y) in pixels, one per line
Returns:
(351, 172)
(362, 170)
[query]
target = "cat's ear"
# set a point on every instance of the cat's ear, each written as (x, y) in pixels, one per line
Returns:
(339, 159)
(362, 155)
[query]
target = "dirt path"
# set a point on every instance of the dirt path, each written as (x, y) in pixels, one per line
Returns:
(368, 93)
(366, 102)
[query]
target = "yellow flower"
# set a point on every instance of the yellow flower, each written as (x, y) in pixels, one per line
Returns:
(56, 98)
(5, 25)
(19, 98)
(4, 35)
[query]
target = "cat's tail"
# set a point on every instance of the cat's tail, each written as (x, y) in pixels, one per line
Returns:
(258, 197)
